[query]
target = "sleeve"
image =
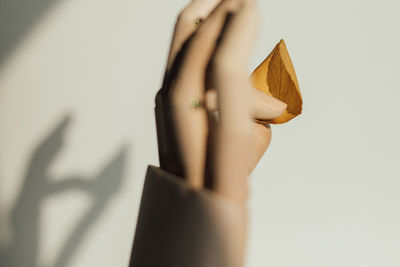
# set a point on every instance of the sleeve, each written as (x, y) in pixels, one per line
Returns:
(179, 226)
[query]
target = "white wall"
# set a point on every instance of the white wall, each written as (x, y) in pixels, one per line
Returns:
(77, 131)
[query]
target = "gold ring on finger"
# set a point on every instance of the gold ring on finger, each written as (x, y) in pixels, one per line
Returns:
(198, 20)
(197, 103)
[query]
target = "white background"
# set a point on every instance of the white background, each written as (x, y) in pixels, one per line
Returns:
(325, 194)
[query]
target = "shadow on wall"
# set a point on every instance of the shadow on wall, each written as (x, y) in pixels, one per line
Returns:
(16, 19)
(38, 185)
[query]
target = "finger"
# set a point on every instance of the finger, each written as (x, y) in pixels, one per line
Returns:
(198, 52)
(236, 129)
(265, 107)
(238, 39)
(186, 24)
(211, 100)
(189, 84)
(230, 63)
(202, 45)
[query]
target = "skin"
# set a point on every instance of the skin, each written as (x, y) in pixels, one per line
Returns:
(216, 73)
(209, 62)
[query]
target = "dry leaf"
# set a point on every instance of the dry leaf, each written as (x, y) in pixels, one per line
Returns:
(276, 77)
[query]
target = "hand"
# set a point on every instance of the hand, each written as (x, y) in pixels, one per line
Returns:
(208, 62)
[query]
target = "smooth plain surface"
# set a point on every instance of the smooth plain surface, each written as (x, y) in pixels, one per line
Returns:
(77, 131)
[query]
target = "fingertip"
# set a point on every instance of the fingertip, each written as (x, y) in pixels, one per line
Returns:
(268, 107)
(281, 107)
(211, 100)
(284, 105)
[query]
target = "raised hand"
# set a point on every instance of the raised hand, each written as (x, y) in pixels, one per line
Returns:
(206, 71)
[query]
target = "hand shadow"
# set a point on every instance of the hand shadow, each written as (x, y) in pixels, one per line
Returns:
(38, 185)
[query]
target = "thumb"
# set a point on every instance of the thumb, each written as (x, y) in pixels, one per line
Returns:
(266, 107)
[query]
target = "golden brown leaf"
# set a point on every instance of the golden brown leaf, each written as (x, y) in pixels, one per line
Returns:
(276, 77)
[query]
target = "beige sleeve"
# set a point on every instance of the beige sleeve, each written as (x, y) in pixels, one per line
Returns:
(181, 227)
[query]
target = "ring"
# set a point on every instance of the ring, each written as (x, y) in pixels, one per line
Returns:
(197, 103)
(198, 20)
